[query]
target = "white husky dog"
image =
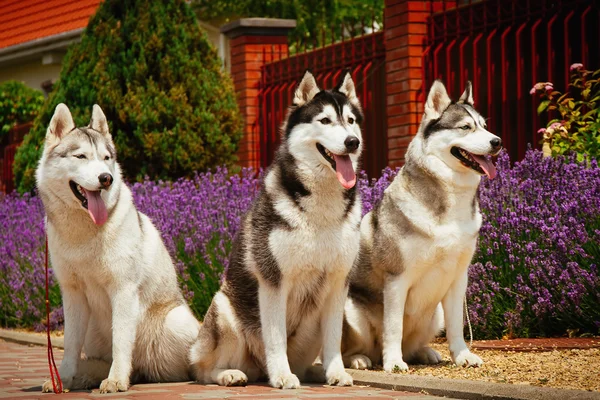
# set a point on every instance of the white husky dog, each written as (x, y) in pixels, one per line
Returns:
(282, 300)
(121, 299)
(417, 243)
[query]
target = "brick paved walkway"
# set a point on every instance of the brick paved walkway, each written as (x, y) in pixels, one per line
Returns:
(24, 368)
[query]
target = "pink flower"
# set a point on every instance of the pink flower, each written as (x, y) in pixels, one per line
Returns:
(575, 66)
(541, 130)
(555, 125)
(549, 86)
(532, 91)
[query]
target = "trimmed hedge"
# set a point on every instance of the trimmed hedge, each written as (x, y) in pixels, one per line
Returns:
(171, 108)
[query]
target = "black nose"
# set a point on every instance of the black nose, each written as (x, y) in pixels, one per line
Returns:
(351, 143)
(496, 143)
(105, 179)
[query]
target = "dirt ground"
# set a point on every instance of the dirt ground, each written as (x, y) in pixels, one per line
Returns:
(567, 369)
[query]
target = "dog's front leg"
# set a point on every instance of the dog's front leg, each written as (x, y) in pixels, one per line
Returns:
(125, 317)
(453, 318)
(77, 315)
(331, 322)
(394, 300)
(273, 309)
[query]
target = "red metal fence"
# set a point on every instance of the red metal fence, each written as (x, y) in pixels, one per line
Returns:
(6, 180)
(505, 47)
(8, 148)
(364, 56)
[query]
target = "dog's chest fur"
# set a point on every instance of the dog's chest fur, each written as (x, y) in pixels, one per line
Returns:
(305, 243)
(97, 264)
(423, 231)
(320, 231)
(439, 249)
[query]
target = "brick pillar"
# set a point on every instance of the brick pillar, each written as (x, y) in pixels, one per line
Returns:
(249, 39)
(405, 24)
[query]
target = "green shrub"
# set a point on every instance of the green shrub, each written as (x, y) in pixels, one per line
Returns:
(18, 104)
(171, 108)
(578, 128)
(318, 22)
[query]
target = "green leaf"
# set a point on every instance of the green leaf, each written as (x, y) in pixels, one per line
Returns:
(543, 105)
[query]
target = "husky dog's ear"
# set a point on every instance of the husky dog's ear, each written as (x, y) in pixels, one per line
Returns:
(437, 100)
(306, 90)
(61, 122)
(467, 96)
(346, 87)
(98, 121)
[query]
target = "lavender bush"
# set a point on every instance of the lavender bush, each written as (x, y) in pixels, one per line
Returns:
(535, 273)
(536, 270)
(22, 276)
(198, 219)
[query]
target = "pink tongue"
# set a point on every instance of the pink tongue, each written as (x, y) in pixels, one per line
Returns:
(486, 165)
(345, 171)
(96, 207)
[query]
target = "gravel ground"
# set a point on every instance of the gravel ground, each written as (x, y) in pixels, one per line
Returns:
(567, 369)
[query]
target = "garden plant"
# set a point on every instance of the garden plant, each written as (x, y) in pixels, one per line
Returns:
(171, 106)
(18, 104)
(575, 114)
(535, 272)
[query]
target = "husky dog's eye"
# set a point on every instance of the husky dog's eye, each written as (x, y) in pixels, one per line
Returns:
(80, 156)
(106, 158)
(325, 121)
(350, 120)
(465, 127)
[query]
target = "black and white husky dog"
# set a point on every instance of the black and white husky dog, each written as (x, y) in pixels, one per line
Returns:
(417, 243)
(282, 300)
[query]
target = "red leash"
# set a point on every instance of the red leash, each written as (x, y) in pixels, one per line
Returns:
(56, 385)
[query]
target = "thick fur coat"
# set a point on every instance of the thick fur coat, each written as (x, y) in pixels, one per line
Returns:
(282, 300)
(121, 299)
(410, 278)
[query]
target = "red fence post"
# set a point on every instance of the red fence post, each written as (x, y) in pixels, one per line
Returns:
(8, 149)
(405, 24)
(249, 39)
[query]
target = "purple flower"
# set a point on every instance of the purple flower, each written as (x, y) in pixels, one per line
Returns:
(535, 271)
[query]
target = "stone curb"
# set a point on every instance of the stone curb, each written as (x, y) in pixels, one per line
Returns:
(455, 388)
(31, 338)
(466, 389)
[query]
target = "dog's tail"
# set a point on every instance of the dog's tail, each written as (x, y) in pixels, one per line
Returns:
(90, 373)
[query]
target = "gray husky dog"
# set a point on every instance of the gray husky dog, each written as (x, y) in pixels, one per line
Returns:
(121, 299)
(282, 300)
(417, 243)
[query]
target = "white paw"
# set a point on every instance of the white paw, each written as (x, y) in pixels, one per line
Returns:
(285, 381)
(427, 355)
(48, 388)
(113, 386)
(467, 359)
(339, 378)
(360, 361)
(395, 365)
(232, 377)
